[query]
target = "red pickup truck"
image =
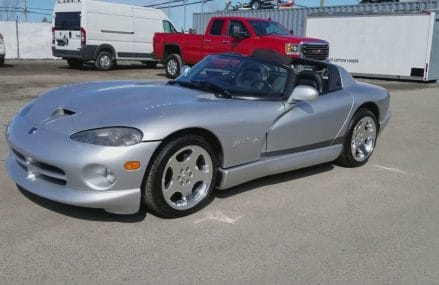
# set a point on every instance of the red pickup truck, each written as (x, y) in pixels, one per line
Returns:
(233, 34)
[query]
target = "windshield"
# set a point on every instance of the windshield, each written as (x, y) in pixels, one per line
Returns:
(68, 21)
(266, 28)
(234, 76)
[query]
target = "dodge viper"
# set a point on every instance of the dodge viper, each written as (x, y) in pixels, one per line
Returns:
(168, 145)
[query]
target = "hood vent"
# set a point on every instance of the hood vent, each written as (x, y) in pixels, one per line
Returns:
(60, 113)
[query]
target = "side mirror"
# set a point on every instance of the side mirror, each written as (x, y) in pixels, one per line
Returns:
(237, 34)
(303, 93)
(184, 70)
(292, 32)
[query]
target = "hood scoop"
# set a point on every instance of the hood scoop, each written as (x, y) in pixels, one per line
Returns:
(60, 113)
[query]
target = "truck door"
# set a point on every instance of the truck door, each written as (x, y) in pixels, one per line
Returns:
(215, 39)
(67, 31)
(239, 45)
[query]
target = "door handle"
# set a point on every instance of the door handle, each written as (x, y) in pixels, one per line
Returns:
(225, 42)
(207, 41)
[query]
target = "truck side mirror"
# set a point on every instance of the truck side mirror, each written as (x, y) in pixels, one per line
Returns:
(292, 32)
(237, 34)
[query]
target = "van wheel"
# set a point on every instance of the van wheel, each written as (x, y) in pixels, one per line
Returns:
(173, 64)
(75, 63)
(104, 61)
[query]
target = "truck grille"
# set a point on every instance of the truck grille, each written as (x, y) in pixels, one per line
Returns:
(40, 169)
(315, 51)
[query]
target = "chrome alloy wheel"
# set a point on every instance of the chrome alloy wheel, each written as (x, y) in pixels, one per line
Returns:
(187, 177)
(105, 61)
(172, 66)
(363, 138)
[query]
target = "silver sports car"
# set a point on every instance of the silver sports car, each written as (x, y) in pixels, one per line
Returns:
(227, 120)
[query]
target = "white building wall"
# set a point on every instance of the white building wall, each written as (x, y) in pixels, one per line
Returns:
(35, 40)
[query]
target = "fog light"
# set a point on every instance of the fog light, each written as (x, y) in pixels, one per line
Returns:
(131, 165)
(109, 176)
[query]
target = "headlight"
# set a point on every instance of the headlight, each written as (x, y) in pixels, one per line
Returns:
(292, 49)
(116, 136)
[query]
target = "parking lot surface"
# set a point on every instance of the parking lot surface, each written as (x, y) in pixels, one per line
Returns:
(376, 224)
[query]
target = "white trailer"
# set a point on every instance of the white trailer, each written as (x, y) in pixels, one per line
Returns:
(402, 46)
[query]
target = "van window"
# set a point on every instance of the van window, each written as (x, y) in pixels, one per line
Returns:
(168, 27)
(217, 27)
(68, 21)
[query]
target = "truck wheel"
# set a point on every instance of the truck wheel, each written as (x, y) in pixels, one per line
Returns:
(104, 61)
(173, 65)
(255, 5)
(75, 63)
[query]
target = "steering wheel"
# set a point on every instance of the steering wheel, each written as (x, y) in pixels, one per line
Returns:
(265, 84)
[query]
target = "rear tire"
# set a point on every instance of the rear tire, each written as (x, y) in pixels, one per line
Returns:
(360, 139)
(104, 61)
(2, 61)
(181, 178)
(75, 63)
(173, 65)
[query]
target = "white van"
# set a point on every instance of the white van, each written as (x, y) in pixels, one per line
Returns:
(103, 32)
(2, 50)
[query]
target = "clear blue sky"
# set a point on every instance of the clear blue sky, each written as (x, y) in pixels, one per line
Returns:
(176, 15)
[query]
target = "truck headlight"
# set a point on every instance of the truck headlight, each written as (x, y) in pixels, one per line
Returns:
(115, 136)
(292, 49)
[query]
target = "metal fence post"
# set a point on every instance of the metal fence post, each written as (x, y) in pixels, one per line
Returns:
(18, 40)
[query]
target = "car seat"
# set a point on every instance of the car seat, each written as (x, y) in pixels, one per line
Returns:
(310, 78)
(252, 75)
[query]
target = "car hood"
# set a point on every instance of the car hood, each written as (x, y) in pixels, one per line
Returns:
(154, 108)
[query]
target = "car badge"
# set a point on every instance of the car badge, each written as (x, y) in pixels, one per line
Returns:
(32, 131)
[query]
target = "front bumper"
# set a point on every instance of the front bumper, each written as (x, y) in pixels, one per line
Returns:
(53, 166)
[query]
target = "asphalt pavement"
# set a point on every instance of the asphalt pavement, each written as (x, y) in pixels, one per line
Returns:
(376, 224)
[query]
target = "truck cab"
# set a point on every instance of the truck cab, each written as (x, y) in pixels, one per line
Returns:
(235, 35)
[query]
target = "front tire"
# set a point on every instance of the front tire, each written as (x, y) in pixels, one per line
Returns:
(104, 61)
(173, 65)
(181, 178)
(360, 139)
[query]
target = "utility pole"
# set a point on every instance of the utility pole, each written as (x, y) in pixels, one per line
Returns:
(25, 11)
(322, 3)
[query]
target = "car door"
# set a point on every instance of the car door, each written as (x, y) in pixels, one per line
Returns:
(311, 124)
(67, 31)
(239, 45)
(216, 40)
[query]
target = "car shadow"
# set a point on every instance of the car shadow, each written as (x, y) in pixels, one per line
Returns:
(274, 179)
(6, 65)
(82, 213)
(100, 215)
(91, 67)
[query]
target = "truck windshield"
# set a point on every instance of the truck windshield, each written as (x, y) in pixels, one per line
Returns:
(70, 21)
(266, 28)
